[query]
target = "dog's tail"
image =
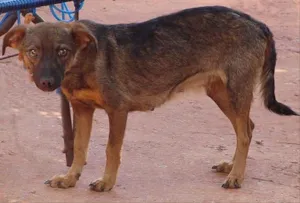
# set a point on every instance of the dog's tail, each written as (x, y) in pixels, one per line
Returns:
(267, 75)
(267, 78)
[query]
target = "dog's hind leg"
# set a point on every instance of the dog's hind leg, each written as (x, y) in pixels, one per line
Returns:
(244, 135)
(218, 93)
(243, 127)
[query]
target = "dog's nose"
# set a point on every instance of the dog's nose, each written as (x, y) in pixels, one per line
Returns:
(47, 84)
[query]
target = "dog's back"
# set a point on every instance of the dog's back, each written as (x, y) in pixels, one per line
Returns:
(192, 48)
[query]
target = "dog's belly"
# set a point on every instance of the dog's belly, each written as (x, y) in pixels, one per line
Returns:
(196, 83)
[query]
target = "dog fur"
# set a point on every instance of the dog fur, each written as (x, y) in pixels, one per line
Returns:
(138, 67)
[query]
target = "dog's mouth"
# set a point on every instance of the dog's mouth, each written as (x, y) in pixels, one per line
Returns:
(46, 79)
(46, 84)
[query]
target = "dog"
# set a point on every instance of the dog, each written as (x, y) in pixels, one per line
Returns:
(123, 68)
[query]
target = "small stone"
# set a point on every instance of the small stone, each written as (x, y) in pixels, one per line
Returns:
(259, 142)
(33, 192)
(221, 148)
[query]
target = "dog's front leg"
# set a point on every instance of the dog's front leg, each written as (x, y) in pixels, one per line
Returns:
(117, 125)
(83, 116)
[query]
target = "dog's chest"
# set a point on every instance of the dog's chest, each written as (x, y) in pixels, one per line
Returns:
(82, 88)
(86, 96)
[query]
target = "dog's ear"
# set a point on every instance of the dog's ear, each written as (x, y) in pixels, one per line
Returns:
(14, 37)
(82, 35)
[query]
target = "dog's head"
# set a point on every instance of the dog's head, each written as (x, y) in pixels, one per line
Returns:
(48, 49)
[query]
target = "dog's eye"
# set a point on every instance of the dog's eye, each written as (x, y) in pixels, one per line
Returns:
(62, 52)
(32, 53)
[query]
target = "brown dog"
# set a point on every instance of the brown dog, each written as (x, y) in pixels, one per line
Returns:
(138, 67)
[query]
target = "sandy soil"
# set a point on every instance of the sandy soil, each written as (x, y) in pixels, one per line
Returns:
(168, 153)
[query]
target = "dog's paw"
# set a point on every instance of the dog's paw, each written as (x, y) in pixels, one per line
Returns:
(232, 182)
(62, 181)
(223, 167)
(100, 185)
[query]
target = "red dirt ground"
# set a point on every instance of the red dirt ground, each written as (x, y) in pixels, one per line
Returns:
(168, 153)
